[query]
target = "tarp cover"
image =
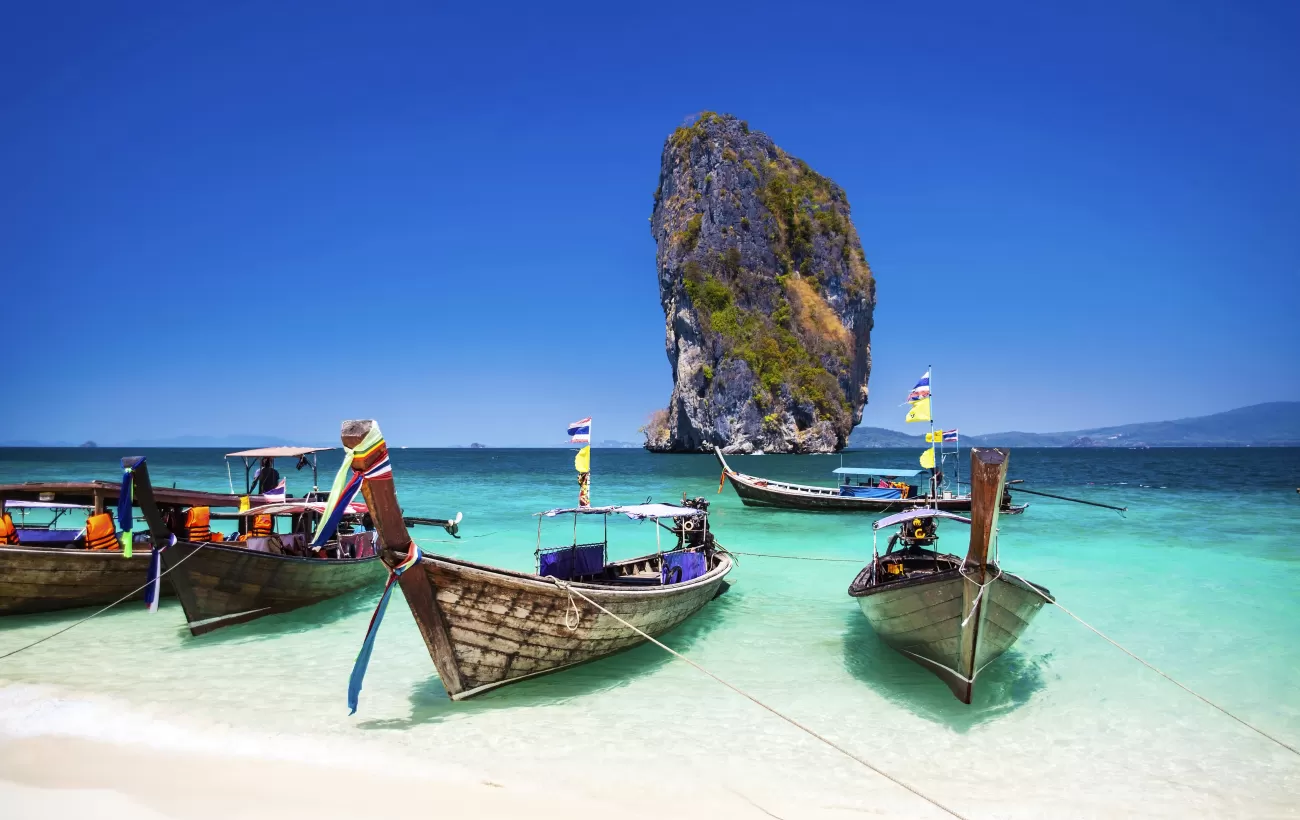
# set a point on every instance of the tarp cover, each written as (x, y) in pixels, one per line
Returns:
(636, 512)
(871, 492)
(567, 562)
(682, 566)
(278, 452)
(47, 536)
(880, 471)
(923, 512)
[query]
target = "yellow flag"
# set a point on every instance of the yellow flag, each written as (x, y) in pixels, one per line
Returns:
(920, 411)
(243, 503)
(927, 459)
(935, 437)
(582, 461)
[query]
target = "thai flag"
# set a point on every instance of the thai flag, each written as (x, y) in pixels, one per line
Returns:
(276, 494)
(580, 431)
(950, 435)
(922, 389)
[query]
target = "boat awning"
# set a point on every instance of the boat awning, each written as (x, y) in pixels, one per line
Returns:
(636, 512)
(47, 505)
(290, 508)
(278, 452)
(924, 512)
(892, 472)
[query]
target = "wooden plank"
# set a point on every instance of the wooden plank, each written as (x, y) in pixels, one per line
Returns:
(988, 470)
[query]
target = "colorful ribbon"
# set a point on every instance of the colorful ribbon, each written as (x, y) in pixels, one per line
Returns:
(348, 481)
(124, 522)
(367, 646)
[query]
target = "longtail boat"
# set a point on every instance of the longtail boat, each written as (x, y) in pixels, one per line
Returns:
(951, 615)
(289, 554)
(487, 627)
(52, 567)
(861, 489)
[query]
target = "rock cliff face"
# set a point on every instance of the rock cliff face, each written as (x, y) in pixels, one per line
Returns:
(767, 297)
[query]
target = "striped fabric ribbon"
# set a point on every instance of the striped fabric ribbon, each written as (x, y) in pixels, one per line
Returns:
(367, 646)
(348, 481)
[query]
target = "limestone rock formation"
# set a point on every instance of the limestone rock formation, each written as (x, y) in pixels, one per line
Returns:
(767, 297)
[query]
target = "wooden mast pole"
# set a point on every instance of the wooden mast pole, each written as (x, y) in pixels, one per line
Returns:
(381, 498)
(988, 468)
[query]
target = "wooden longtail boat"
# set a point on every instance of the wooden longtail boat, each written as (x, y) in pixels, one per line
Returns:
(952, 616)
(51, 569)
(487, 627)
(230, 582)
(850, 497)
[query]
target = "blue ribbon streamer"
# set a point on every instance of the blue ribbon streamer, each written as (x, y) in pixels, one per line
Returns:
(368, 645)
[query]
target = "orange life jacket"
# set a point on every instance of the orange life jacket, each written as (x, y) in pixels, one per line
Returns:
(196, 524)
(100, 532)
(263, 525)
(8, 534)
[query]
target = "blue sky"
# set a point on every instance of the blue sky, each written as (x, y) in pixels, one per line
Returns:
(238, 218)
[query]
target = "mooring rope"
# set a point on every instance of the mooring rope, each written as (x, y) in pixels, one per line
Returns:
(758, 702)
(797, 557)
(102, 611)
(1152, 667)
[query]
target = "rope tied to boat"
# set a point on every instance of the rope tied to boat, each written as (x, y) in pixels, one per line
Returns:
(796, 557)
(135, 591)
(813, 733)
(1153, 668)
(573, 607)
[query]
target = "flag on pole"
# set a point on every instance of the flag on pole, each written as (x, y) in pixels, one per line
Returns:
(927, 459)
(934, 437)
(922, 389)
(950, 435)
(582, 461)
(920, 411)
(580, 431)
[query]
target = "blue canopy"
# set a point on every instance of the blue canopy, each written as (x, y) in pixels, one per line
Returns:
(891, 472)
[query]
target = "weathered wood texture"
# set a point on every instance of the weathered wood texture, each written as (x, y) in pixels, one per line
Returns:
(36, 579)
(922, 619)
(105, 494)
(505, 626)
(222, 585)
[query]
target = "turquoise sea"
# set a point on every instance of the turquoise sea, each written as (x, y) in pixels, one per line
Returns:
(1202, 578)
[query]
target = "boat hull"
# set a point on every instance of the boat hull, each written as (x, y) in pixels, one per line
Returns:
(45, 579)
(489, 627)
(922, 618)
(221, 586)
(757, 492)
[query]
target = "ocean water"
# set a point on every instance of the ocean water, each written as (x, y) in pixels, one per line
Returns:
(1202, 578)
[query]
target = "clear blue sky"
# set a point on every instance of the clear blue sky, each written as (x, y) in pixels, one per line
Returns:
(242, 218)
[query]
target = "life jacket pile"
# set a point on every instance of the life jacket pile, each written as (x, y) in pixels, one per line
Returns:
(263, 525)
(197, 527)
(100, 532)
(8, 533)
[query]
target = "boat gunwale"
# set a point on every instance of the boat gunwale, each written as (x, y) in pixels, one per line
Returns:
(223, 547)
(547, 583)
(856, 591)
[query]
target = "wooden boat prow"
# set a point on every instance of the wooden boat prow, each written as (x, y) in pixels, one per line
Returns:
(953, 616)
(487, 627)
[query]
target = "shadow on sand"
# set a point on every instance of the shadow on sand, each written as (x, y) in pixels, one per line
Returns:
(1004, 686)
(431, 704)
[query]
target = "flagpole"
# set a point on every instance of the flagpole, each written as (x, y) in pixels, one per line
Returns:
(934, 471)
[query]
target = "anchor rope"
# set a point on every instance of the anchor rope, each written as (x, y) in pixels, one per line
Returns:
(1153, 668)
(796, 557)
(793, 722)
(102, 611)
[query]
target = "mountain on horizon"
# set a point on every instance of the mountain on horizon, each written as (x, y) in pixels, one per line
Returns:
(1271, 424)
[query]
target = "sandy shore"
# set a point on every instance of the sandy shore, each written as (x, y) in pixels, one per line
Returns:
(55, 777)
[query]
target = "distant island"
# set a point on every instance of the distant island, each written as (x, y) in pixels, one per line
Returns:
(476, 446)
(1273, 424)
(88, 444)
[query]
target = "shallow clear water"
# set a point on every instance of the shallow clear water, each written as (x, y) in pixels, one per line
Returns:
(1202, 579)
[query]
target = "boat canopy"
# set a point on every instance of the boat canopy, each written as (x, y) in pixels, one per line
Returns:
(923, 512)
(290, 508)
(637, 512)
(47, 505)
(891, 472)
(278, 452)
